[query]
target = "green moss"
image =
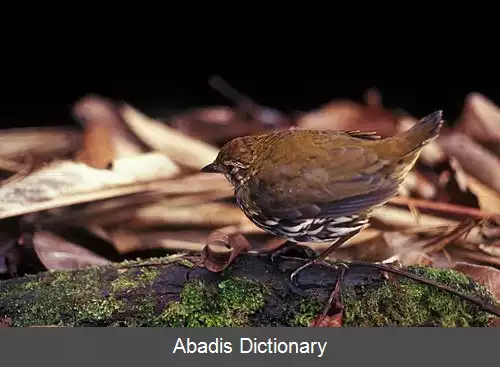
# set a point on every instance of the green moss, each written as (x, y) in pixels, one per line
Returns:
(141, 310)
(142, 313)
(123, 284)
(404, 302)
(130, 280)
(411, 303)
(230, 303)
(302, 313)
(79, 298)
(60, 298)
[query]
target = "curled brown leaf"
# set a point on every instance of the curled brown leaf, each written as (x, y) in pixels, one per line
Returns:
(221, 250)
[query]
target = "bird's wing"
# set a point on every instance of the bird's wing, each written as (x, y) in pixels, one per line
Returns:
(350, 180)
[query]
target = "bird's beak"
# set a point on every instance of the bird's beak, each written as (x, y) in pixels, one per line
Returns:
(212, 168)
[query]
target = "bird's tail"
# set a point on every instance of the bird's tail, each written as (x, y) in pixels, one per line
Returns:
(409, 144)
(424, 131)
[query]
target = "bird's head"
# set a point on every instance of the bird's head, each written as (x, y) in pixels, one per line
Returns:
(235, 159)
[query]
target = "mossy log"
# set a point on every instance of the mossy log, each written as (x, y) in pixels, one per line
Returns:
(253, 291)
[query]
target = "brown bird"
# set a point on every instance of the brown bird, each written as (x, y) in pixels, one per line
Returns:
(319, 186)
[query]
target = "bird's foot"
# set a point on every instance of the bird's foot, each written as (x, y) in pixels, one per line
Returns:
(334, 308)
(293, 250)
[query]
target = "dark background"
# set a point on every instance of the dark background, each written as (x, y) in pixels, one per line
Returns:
(46, 98)
(54, 54)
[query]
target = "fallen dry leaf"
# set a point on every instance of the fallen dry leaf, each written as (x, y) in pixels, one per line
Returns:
(480, 119)
(11, 165)
(348, 115)
(207, 215)
(473, 256)
(217, 125)
(46, 143)
(146, 167)
(402, 218)
(492, 250)
(185, 240)
(328, 321)
(246, 227)
(442, 208)
(5, 322)
(186, 191)
(419, 185)
(56, 253)
(126, 241)
(489, 199)
(476, 160)
(486, 275)
(186, 151)
(60, 184)
(97, 150)
(98, 116)
(439, 243)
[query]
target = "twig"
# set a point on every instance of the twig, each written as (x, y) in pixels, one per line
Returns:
(244, 102)
(476, 256)
(485, 306)
(443, 207)
(415, 212)
(336, 295)
(440, 243)
(154, 262)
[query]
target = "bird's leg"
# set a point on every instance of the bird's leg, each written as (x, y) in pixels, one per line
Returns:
(334, 305)
(288, 246)
(338, 242)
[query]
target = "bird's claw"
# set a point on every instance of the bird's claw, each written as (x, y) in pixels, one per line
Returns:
(293, 276)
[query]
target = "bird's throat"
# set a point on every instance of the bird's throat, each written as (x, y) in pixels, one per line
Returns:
(237, 176)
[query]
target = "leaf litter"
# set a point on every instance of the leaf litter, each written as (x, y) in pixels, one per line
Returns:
(133, 181)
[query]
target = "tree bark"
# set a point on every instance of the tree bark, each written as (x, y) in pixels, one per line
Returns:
(253, 291)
